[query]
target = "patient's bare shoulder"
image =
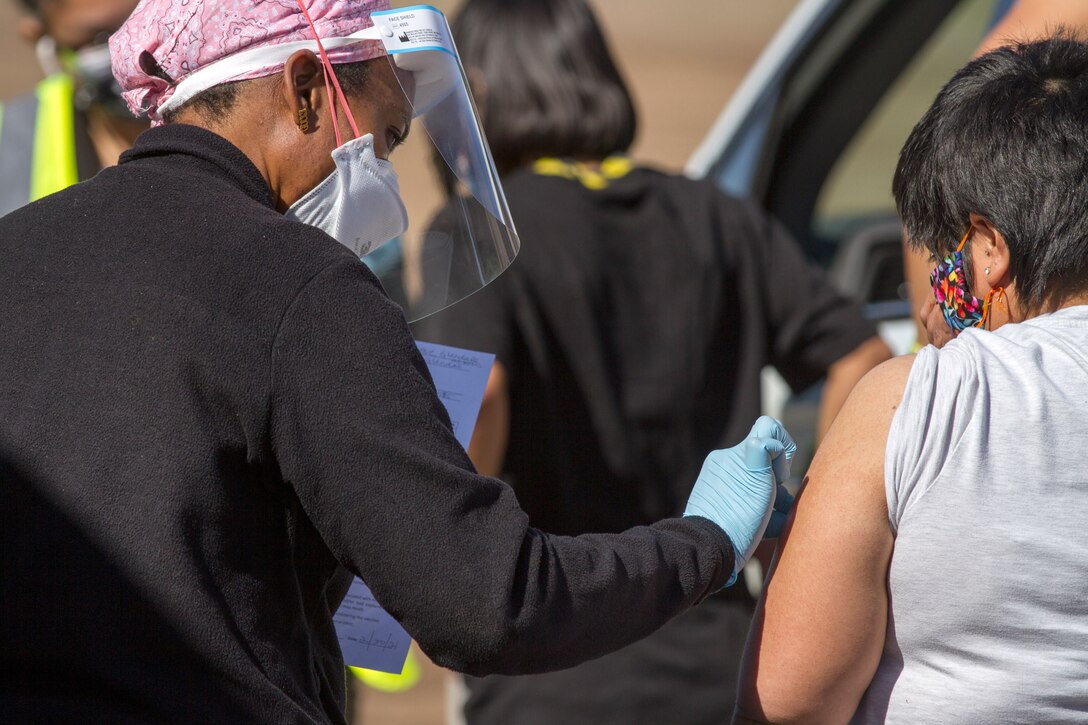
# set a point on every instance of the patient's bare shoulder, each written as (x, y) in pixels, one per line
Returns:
(878, 394)
(853, 452)
(819, 630)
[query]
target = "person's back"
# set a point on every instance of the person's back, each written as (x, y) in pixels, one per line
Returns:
(634, 327)
(986, 492)
(629, 336)
(104, 330)
(644, 313)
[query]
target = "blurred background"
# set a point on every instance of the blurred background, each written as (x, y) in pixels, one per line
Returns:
(682, 60)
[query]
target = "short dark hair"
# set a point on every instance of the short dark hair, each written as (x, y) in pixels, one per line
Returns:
(1007, 139)
(218, 101)
(550, 86)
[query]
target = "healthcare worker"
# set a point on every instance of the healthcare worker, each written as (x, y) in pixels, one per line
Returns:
(75, 122)
(211, 415)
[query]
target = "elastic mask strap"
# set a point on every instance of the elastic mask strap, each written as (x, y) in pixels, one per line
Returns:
(332, 102)
(993, 290)
(986, 304)
(962, 241)
(330, 74)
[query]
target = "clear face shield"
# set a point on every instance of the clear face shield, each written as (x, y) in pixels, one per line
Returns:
(472, 240)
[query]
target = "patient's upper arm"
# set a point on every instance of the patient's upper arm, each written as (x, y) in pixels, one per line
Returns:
(819, 629)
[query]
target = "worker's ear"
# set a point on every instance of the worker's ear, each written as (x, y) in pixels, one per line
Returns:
(31, 28)
(303, 88)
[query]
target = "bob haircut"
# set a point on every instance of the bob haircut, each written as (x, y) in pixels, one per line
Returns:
(1007, 138)
(546, 81)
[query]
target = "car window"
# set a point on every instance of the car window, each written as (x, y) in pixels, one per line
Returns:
(859, 185)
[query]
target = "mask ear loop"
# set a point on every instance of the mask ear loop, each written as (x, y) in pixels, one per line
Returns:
(962, 241)
(329, 73)
(993, 290)
(986, 304)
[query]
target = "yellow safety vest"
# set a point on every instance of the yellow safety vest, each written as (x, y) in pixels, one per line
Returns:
(38, 144)
(385, 682)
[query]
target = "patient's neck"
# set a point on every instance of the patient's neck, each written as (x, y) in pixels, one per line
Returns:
(1059, 297)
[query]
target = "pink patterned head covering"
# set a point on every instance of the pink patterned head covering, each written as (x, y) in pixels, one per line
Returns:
(165, 41)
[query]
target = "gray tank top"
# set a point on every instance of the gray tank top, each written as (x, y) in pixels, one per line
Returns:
(986, 475)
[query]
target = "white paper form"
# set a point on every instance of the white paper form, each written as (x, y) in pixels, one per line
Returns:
(369, 636)
(460, 377)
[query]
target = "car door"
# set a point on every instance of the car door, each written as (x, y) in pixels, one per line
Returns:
(814, 134)
(815, 130)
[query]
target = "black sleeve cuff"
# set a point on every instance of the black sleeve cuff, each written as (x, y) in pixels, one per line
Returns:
(716, 551)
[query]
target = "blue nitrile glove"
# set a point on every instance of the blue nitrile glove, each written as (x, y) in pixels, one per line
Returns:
(740, 489)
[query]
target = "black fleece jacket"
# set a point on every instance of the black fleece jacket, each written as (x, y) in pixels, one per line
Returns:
(209, 416)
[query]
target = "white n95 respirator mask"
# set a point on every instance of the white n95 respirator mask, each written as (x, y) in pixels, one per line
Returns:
(359, 203)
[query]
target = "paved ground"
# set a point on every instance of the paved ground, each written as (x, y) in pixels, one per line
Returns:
(682, 59)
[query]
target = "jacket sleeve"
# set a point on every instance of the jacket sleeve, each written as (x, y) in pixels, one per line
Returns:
(360, 434)
(810, 324)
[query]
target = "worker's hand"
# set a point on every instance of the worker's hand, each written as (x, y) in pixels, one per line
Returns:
(937, 330)
(740, 488)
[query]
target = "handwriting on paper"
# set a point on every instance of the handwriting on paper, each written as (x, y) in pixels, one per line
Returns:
(460, 377)
(369, 636)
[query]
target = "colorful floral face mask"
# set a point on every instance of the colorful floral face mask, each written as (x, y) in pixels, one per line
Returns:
(961, 308)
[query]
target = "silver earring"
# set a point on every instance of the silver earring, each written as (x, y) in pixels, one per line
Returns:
(987, 270)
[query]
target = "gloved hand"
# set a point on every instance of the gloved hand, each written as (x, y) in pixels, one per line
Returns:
(740, 489)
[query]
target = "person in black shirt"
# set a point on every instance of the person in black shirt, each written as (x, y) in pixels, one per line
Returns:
(630, 335)
(211, 416)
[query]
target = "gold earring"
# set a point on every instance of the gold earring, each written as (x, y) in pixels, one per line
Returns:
(303, 119)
